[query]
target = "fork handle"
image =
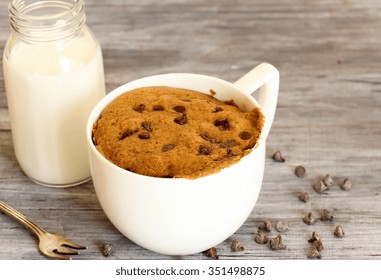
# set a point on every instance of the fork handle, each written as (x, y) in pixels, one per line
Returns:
(35, 229)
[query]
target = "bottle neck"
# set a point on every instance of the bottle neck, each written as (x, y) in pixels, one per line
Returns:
(43, 21)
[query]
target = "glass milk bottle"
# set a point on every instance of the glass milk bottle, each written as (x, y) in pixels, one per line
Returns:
(53, 73)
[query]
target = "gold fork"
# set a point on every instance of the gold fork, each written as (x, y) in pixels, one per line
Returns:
(51, 245)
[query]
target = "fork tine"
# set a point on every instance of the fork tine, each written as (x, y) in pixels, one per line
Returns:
(59, 256)
(65, 251)
(54, 255)
(71, 244)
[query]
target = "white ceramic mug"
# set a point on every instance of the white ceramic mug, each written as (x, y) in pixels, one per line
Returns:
(182, 216)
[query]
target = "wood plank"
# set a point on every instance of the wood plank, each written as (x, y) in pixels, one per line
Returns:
(328, 118)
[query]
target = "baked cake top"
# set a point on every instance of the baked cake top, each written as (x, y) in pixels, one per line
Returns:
(175, 133)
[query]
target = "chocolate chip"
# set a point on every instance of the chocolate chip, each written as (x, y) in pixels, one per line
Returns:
(266, 226)
(168, 147)
(139, 108)
(181, 120)
(144, 136)
(261, 238)
(231, 153)
(304, 196)
(211, 140)
(318, 244)
(314, 237)
(281, 226)
(320, 187)
(222, 124)
(204, 150)
(339, 232)
(179, 109)
(277, 156)
(107, 249)
(313, 253)
(130, 169)
(237, 246)
(328, 181)
(158, 108)
(326, 215)
(346, 185)
(127, 133)
(147, 126)
(309, 219)
(229, 144)
(231, 103)
(211, 253)
(300, 171)
(218, 109)
(244, 135)
(276, 243)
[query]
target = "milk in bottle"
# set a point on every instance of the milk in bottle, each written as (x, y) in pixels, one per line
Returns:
(53, 73)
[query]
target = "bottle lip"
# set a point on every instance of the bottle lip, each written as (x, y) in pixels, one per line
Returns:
(46, 20)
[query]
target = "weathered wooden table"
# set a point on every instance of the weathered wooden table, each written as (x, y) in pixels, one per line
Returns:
(328, 118)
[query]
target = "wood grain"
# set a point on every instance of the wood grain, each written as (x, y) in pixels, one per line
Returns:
(328, 118)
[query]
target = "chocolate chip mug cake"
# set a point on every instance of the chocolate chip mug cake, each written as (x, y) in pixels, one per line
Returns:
(175, 133)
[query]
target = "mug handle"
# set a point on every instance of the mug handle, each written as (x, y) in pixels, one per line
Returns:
(266, 77)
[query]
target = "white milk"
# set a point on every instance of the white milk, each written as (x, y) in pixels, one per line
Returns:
(51, 89)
